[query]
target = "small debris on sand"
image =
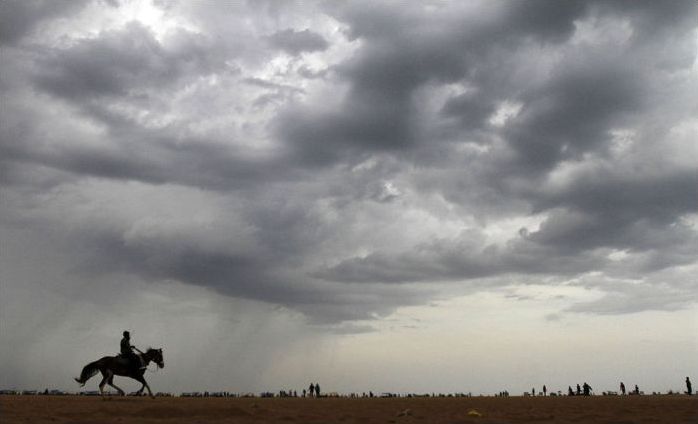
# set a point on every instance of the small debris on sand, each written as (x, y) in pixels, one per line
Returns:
(405, 413)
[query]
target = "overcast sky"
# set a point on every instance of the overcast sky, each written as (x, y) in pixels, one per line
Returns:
(393, 196)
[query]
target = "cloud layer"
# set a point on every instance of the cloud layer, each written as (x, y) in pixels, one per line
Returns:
(345, 160)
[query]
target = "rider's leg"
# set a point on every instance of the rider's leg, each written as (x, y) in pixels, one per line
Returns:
(138, 359)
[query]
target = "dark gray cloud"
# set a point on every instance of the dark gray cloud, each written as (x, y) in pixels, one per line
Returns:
(262, 274)
(296, 42)
(567, 115)
(610, 210)
(398, 152)
(111, 79)
(124, 62)
(466, 257)
(403, 52)
(472, 110)
(215, 167)
(17, 18)
(571, 115)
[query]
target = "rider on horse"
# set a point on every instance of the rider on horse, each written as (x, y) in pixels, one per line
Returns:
(127, 364)
(127, 351)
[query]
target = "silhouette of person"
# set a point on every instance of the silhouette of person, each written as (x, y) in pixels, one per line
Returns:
(689, 388)
(545, 390)
(126, 344)
(533, 391)
(127, 350)
(579, 390)
(637, 390)
(570, 392)
(317, 389)
(622, 388)
(587, 389)
(311, 389)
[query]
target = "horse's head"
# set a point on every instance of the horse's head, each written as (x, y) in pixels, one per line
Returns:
(155, 355)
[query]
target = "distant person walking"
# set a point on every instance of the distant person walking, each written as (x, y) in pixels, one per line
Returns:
(579, 390)
(622, 388)
(545, 390)
(311, 389)
(570, 392)
(317, 389)
(637, 390)
(533, 391)
(587, 389)
(689, 388)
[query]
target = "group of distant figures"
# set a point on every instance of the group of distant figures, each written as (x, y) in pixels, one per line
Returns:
(581, 390)
(636, 390)
(313, 390)
(585, 390)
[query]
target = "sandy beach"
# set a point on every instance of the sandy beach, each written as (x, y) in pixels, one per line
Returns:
(596, 409)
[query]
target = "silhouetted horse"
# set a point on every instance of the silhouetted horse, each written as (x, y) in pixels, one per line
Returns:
(110, 366)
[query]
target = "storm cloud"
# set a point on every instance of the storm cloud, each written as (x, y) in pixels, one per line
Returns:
(346, 160)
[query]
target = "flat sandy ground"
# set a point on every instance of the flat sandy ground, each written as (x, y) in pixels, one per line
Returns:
(596, 409)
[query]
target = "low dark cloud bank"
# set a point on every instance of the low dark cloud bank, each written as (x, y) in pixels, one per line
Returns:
(574, 116)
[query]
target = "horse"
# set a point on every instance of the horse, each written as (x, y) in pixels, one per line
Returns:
(110, 366)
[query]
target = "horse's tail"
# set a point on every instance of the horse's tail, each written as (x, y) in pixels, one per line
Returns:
(88, 372)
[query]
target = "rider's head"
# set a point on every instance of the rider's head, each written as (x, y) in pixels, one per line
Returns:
(127, 334)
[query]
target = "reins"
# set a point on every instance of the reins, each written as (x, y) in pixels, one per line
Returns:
(147, 366)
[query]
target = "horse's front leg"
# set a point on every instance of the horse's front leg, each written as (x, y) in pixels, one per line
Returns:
(145, 385)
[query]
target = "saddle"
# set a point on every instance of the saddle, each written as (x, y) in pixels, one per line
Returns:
(132, 360)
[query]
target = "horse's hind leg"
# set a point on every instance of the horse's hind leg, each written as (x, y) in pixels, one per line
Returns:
(105, 377)
(110, 381)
